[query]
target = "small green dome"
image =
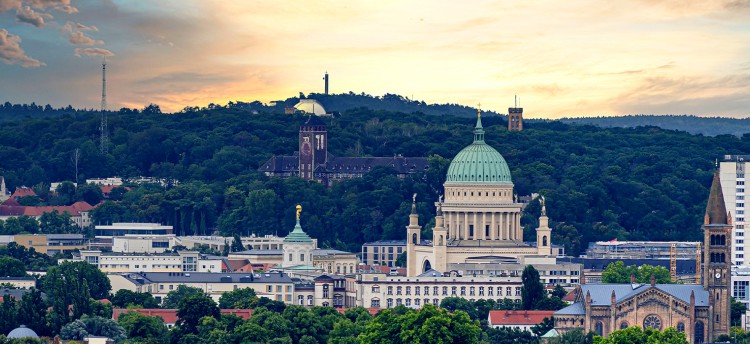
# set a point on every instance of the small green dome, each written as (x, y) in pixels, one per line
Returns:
(479, 163)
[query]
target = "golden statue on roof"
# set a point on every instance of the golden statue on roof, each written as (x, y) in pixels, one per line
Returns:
(299, 210)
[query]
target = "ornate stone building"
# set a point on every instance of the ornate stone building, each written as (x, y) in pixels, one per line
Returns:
(702, 311)
(480, 216)
(313, 161)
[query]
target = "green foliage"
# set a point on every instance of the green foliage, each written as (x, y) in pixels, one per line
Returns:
(32, 260)
(546, 325)
(453, 304)
(401, 260)
(532, 291)
(427, 325)
(174, 297)
(74, 275)
(243, 298)
(636, 335)
(12, 267)
(56, 223)
(737, 310)
(237, 243)
(32, 312)
(617, 272)
(124, 298)
(194, 307)
(92, 326)
(574, 336)
(139, 326)
(506, 335)
(8, 314)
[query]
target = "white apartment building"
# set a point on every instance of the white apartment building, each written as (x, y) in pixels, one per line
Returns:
(182, 261)
(383, 291)
(133, 243)
(732, 174)
(275, 286)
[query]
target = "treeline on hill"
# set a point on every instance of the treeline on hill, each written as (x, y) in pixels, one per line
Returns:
(638, 184)
(692, 124)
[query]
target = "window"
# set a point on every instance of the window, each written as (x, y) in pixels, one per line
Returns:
(652, 321)
(375, 289)
(508, 291)
(740, 241)
(740, 175)
(740, 256)
(518, 291)
(740, 205)
(445, 291)
(489, 291)
(326, 291)
(375, 303)
(623, 325)
(171, 287)
(463, 291)
(481, 291)
(301, 257)
(416, 290)
(599, 328)
(416, 302)
(740, 290)
(398, 290)
(740, 212)
(453, 291)
(740, 190)
(740, 219)
(408, 302)
(408, 290)
(740, 182)
(269, 289)
(390, 290)
(471, 291)
(398, 302)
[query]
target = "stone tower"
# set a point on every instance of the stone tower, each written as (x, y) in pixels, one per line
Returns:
(313, 146)
(298, 246)
(717, 236)
(413, 238)
(543, 232)
(440, 239)
(515, 119)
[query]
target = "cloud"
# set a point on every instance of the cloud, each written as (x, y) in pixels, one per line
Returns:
(79, 38)
(58, 5)
(7, 5)
(11, 52)
(29, 16)
(93, 52)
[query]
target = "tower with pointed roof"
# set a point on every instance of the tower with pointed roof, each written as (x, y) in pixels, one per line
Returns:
(298, 246)
(413, 238)
(717, 236)
(439, 239)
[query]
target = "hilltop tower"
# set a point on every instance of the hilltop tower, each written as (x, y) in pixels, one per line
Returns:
(104, 135)
(717, 237)
(325, 77)
(515, 117)
(313, 149)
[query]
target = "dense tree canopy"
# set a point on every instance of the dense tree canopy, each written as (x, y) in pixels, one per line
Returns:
(617, 272)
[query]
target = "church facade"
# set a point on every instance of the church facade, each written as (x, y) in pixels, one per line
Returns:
(480, 217)
(313, 161)
(701, 311)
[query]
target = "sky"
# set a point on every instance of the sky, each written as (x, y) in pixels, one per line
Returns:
(568, 58)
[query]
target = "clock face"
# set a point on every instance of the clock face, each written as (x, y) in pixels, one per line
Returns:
(718, 275)
(306, 148)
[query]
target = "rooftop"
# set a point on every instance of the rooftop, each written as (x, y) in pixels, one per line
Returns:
(206, 277)
(508, 318)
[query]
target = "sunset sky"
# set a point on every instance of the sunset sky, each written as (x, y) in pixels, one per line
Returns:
(562, 58)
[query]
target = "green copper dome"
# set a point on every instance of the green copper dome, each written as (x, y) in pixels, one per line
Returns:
(479, 163)
(297, 235)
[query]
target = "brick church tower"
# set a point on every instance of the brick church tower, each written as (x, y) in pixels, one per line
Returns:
(313, 146)
(717, 236)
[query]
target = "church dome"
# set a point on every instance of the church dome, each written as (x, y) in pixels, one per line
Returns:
(22, 332)
(479, 163)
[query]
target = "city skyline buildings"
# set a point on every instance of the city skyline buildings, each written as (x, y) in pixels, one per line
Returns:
(574, 58)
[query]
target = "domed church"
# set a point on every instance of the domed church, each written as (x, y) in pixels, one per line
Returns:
(479, 217)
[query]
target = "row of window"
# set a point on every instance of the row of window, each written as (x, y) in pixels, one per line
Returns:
(375, 303)
(453, 291)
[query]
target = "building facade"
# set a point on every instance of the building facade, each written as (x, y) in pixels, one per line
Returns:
(383, 252)
(732, 169)
(313, 161)
(182, 261)
(51, 244)
(479, 216)
(701, 311)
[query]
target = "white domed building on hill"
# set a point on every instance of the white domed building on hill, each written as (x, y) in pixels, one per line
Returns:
(479, 220)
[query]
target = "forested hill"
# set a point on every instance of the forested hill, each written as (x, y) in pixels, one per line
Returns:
(601, 183)
(711, 126)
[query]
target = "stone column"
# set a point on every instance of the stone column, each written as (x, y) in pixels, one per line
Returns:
(493, 229)
(474, 223)
(466, 225)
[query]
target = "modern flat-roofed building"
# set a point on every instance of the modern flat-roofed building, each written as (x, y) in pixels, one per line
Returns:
(133, 243)
(19, 282)
(123, 228)
(51, 244)
(115, 262)
(275, 286)
(641, 249)
(383, 252)
(732, 169)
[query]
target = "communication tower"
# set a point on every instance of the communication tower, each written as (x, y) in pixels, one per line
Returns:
(104, 138)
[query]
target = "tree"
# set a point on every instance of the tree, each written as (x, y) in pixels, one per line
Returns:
(617, 272)
(8, 314)
(237, 243)
(66, 193)
(559, 291)
(12, 267)
(92, 326)
(635, 335)
(506, 335)
(194, 307)
(97, 283)
(32, 312)
(453, 304)
(737, 310)
(532, 291)
(574, 336)
(139, 326)
(89, 193)
(400, 260)
(124, 298)
(174, 297)
(56, 223)
(546, 325)
(242, 298)
(427, 325)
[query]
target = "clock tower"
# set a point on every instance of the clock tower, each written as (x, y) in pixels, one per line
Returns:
(313, 146)
(717, 236)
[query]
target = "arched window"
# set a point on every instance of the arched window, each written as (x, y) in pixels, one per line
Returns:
(544, 240)
(653, 322)
(414, 238)
(699, 335)
(440, 241)
(623, 325)
(599, 328)
(681, 327)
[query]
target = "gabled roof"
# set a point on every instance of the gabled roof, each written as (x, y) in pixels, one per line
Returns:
(601, 294)
(509, 318)
(22, 191)
(574, 309)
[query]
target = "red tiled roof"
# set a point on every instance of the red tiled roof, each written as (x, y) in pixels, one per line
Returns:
(170, 315)
(234, 265)
(11, 210)
(22, 191)
(106, 189)
(11, 201)
(508, 318)
(570, 297)
(74, 210)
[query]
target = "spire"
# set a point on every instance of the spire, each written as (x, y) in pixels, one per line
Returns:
(544, 206)
(716, 211)
(298, 235)
(414, 204)
(440, 206)
(478, 130)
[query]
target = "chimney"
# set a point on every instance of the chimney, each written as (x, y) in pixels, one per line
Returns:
(632, 279)
(653, 280)
(613, 297)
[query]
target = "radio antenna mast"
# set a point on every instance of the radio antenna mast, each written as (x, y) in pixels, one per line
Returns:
(104, 138)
